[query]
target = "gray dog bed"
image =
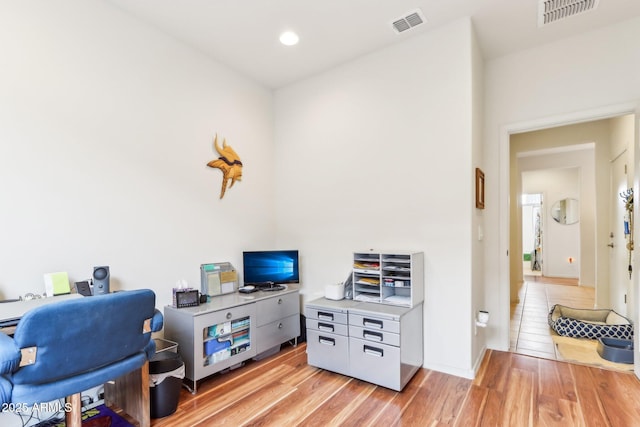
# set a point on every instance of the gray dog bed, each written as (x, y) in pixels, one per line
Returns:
(584, 323)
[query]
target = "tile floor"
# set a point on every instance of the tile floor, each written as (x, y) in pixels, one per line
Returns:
(530, 332)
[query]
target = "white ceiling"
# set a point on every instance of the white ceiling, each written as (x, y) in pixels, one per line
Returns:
(243, 34)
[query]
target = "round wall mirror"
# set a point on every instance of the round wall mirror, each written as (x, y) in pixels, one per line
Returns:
(566, 211)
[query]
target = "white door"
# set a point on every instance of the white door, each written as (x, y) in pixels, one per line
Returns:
(620, 283)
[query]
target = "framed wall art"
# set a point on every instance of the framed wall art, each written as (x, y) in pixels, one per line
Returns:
(479, 189)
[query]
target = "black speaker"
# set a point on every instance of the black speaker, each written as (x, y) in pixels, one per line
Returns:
(100, 280)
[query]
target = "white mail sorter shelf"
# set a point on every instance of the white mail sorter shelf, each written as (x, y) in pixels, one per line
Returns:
(388, 277)
(377, 343)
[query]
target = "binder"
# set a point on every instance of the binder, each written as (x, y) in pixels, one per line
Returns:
(57, 284)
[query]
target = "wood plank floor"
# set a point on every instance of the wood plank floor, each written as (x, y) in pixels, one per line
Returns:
(510, 390)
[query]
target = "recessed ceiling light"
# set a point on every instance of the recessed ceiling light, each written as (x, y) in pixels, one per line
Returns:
(289, 38)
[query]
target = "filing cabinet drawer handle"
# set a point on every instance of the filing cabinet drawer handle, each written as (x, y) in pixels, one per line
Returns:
(325, 327)
(325, 316)
(327, 341)
(378, 352)
(279, 300)
(280, 325)
(369, 335)
(371, 323)
(229, 315)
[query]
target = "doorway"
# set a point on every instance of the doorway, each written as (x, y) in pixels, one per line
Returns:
(550, 184)
(600, 233)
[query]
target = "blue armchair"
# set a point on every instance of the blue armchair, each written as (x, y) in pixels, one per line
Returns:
(63, 348)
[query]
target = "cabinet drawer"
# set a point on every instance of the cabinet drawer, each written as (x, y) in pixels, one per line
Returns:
(275, 333)
(376, 336)
(374, 323)
(327, 327)
(326, 315)
(278, 307)
(328, 351)
(376, 363)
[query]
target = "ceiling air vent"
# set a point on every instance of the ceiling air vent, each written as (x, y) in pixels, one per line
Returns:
(555, 10)
(407, 22)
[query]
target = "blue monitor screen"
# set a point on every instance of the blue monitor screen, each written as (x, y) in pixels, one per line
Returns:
(270, 266)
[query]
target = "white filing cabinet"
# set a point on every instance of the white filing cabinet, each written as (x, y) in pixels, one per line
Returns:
(385, 344)
(328, 335)
(377, 343)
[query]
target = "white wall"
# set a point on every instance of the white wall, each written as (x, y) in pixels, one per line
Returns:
(106, 126)
(581, 78)
(377, 154)
(478, 291)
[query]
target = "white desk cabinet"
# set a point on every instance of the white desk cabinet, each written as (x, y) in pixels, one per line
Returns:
(377, 343)
(232, 328)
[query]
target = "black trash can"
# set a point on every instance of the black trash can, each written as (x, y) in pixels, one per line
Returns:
(166, 371)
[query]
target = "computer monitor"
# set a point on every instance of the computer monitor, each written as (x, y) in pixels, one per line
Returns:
(276, 266)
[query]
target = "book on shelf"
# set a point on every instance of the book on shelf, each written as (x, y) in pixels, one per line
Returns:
(396, 268)
(404, 259)
(398, 299)
(367, 297)
(371, 281)
(366, 265)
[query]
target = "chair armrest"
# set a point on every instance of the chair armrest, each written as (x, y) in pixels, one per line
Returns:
(9, 355)
(157, 321)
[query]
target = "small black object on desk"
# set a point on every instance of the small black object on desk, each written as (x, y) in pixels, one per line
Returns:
(261, 286)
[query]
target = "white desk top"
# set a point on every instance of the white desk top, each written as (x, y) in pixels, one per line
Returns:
(16, 309)
(223, 302)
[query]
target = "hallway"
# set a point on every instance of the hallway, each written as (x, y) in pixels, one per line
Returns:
(530, 332)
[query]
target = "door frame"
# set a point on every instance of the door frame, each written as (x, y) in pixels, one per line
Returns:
(506, 131)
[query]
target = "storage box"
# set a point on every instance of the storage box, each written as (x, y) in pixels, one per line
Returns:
(214, 346)
(334, 292)
(219, 329)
